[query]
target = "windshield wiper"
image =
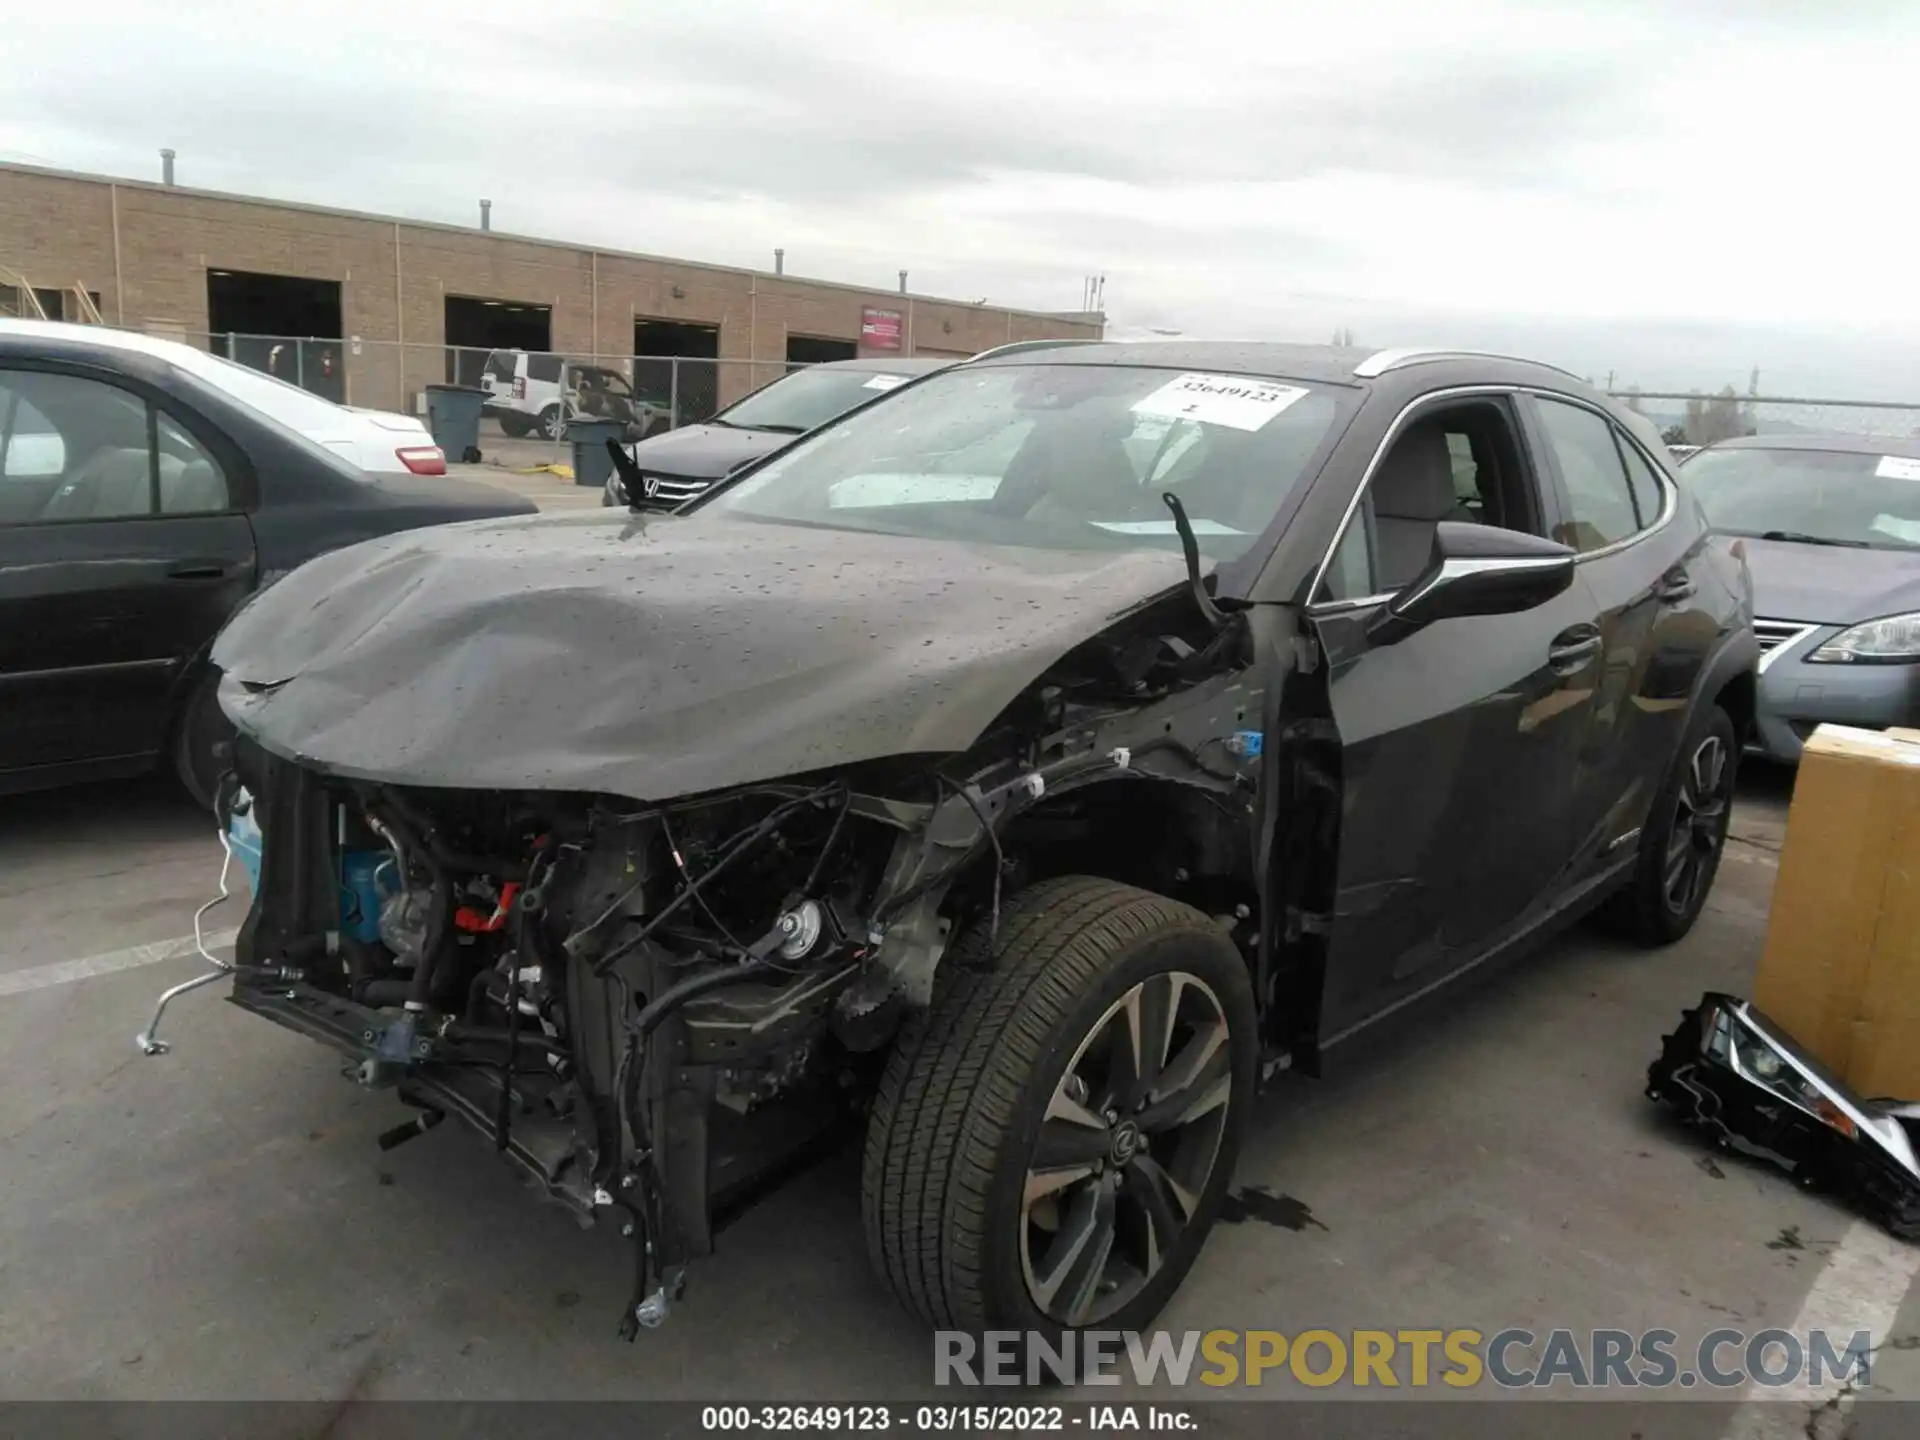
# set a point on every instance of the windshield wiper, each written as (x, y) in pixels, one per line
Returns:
(1801, 537)
(778, 429)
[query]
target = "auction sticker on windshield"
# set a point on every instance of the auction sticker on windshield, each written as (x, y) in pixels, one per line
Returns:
(885, 382)
(1894, 467)
(1232, 400)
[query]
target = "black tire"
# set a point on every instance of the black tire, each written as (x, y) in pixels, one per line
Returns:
(553, 423)
(1901, 1216)
(1654, 907)
(202, 741)
(951, 1145)
(517, 427)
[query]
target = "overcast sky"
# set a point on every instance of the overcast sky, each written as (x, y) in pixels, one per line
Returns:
(1671, 190)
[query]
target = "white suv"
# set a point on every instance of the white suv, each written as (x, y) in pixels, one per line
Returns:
(528, 391)
(524, 391)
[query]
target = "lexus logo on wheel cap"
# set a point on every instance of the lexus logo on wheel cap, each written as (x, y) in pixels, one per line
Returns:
(1126, 1141)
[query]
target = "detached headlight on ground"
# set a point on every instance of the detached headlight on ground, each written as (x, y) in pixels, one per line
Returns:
(1889, 640)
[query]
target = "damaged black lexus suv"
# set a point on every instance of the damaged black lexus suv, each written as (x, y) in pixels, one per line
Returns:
(1022, 768)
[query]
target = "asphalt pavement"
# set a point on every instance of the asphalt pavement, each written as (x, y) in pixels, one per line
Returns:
(217, 1221)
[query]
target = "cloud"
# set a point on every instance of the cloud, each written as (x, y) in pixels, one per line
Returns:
(1599, 178)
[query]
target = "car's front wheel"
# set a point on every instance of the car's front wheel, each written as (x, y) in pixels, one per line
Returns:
(1687, 830)
(1053, 1136)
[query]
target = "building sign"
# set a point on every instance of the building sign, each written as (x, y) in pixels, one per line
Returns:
(880, 329)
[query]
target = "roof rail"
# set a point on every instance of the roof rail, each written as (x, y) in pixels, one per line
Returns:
(1381, 361)
(1021, 346)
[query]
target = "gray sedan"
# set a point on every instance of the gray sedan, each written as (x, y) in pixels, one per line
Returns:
(1831, 527)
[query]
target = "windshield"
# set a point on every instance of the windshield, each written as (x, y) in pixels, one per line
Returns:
(807, 399)
(1830, 496)
(289, 404)
(1054, 456)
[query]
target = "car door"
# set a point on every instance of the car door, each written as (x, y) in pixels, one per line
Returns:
(121, 554)
(1636, 552)
(1458, 742)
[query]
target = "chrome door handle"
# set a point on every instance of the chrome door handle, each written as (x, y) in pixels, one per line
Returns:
(1672, 589)
(1569, 653)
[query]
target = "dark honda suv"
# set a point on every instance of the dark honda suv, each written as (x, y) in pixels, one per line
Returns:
(1019, 769)
(678, 464)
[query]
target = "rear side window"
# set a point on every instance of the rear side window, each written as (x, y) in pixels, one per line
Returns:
(544, 367)
(1643, 482)
(191, 481)
(1599, 498)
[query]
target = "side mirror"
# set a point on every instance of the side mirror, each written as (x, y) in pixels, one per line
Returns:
(1475, 570)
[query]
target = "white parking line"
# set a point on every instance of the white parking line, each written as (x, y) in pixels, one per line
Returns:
(65, 972)
(1861, 1287)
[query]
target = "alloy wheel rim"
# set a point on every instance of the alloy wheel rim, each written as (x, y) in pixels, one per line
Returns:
(1130, 1138)
(1699, 824)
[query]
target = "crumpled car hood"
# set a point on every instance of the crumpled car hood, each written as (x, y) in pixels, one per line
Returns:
(654, 657)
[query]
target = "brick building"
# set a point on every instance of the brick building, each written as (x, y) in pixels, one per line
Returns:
(395, 294)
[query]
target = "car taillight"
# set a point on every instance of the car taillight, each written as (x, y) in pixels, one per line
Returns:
(519, 387)
(423, 459)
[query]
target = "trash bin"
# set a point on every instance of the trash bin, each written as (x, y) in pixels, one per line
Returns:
(592, 465)
(453, 415)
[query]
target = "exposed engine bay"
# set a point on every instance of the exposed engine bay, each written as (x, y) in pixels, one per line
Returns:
(658, 1010)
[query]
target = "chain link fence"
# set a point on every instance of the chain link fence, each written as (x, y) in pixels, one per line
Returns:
(315, 365)
(390, 375)
(531, 393)
(1690, 420)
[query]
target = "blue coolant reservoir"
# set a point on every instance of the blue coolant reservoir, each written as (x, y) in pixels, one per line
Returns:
(243, 835)
(367, 877)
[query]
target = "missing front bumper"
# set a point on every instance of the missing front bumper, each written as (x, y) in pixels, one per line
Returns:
(388, 1051)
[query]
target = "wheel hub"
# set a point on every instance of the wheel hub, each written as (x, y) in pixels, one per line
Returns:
(1699, 823)
(1128, 1142)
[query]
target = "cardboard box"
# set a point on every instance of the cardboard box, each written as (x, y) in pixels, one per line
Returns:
(1841, 970)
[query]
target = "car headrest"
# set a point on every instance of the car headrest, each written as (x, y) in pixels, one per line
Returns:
(1415, 481)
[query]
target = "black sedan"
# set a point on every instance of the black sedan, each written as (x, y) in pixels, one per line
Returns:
(1831, 526)
(1020, 768)
(140, 506)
